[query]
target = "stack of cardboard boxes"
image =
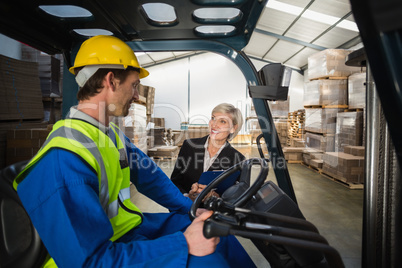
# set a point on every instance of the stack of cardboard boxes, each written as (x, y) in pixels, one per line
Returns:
(279, 111)
(334, 102)
(135, 126)
(331, 124)
(22, 131)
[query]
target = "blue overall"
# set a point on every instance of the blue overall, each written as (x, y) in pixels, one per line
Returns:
(61, 196)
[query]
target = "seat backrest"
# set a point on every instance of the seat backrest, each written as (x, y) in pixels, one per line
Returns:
(20, 244)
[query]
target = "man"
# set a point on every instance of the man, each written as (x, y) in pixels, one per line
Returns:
(76, 190)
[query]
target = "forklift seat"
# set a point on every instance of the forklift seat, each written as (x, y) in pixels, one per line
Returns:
(20, 244)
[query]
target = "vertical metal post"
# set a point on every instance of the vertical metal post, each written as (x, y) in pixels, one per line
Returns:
(371, 170)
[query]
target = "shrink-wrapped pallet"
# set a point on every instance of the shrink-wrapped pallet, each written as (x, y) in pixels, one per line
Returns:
(310, 154)
(354, 150)
(281, 126)
(349, 130)
(135, 126)
(330, 63)
(326, 92)
(320, 142)
(321, 120)
(357, 91)
(344, 167)
(279, 108)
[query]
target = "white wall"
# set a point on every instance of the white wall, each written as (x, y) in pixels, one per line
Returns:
(170, 81)
(188, 89)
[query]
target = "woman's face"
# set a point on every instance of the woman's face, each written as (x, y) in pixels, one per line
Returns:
(220, 126)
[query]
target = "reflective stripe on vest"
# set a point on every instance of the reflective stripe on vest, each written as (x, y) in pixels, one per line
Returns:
(89, 144)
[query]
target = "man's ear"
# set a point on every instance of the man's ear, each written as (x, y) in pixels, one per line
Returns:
(110, 81)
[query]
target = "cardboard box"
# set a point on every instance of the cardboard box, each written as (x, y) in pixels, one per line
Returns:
(157, 134)
(23, 144)
(297, 142)
(279, 108)
(316, 163)
(344, 167)
(158, 121)
(354, 150)
(330, 63)
(325, 143)
(326, 92)
(281, 126)
(310, 154)
(357, 91)
(293, 153)
(349, 130)
(20, 91)
(322, 121)
(197, 131)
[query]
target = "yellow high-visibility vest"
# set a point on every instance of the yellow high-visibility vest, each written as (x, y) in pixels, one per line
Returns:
(109, 162)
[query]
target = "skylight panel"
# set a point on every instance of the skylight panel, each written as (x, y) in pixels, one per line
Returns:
(66, 11)
(218, 14)
(213, 30)
(92, 32)
(160, 14)
(312, 15)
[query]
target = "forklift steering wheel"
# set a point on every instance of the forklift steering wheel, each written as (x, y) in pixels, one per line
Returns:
(240, 193)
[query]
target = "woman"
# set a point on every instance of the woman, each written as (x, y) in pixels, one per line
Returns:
(212, 152)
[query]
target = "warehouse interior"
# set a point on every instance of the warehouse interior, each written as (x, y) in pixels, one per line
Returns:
(321, 125)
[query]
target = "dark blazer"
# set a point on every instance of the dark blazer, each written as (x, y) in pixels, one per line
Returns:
(190, 162)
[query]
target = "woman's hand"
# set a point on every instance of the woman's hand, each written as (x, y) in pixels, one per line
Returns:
(197, 188)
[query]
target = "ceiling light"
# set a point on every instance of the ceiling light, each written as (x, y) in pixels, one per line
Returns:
(312, 15)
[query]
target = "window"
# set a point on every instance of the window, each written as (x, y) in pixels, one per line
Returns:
(160, 14)
(228, 15)
(92, 32)
(215, 30)
(66, 11)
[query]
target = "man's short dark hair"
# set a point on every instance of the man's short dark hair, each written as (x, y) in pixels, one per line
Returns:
(94, 84)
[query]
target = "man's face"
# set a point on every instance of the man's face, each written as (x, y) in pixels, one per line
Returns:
(125, 93)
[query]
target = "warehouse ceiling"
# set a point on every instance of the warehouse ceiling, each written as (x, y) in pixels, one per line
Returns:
(285, 31)
(289, 31)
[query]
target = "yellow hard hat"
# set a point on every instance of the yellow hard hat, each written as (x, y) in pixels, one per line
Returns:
(106, 50)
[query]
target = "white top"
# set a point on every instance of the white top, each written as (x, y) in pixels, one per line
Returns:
(207, 159)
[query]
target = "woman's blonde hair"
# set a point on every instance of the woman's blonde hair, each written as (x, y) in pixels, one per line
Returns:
(234, 113)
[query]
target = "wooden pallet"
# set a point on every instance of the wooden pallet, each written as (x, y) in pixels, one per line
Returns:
(319, 170)
(335, 106)
(350, 185)
(330, 78)
(353, 110)
(294, 161)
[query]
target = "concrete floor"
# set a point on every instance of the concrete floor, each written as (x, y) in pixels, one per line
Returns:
(334, 209)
